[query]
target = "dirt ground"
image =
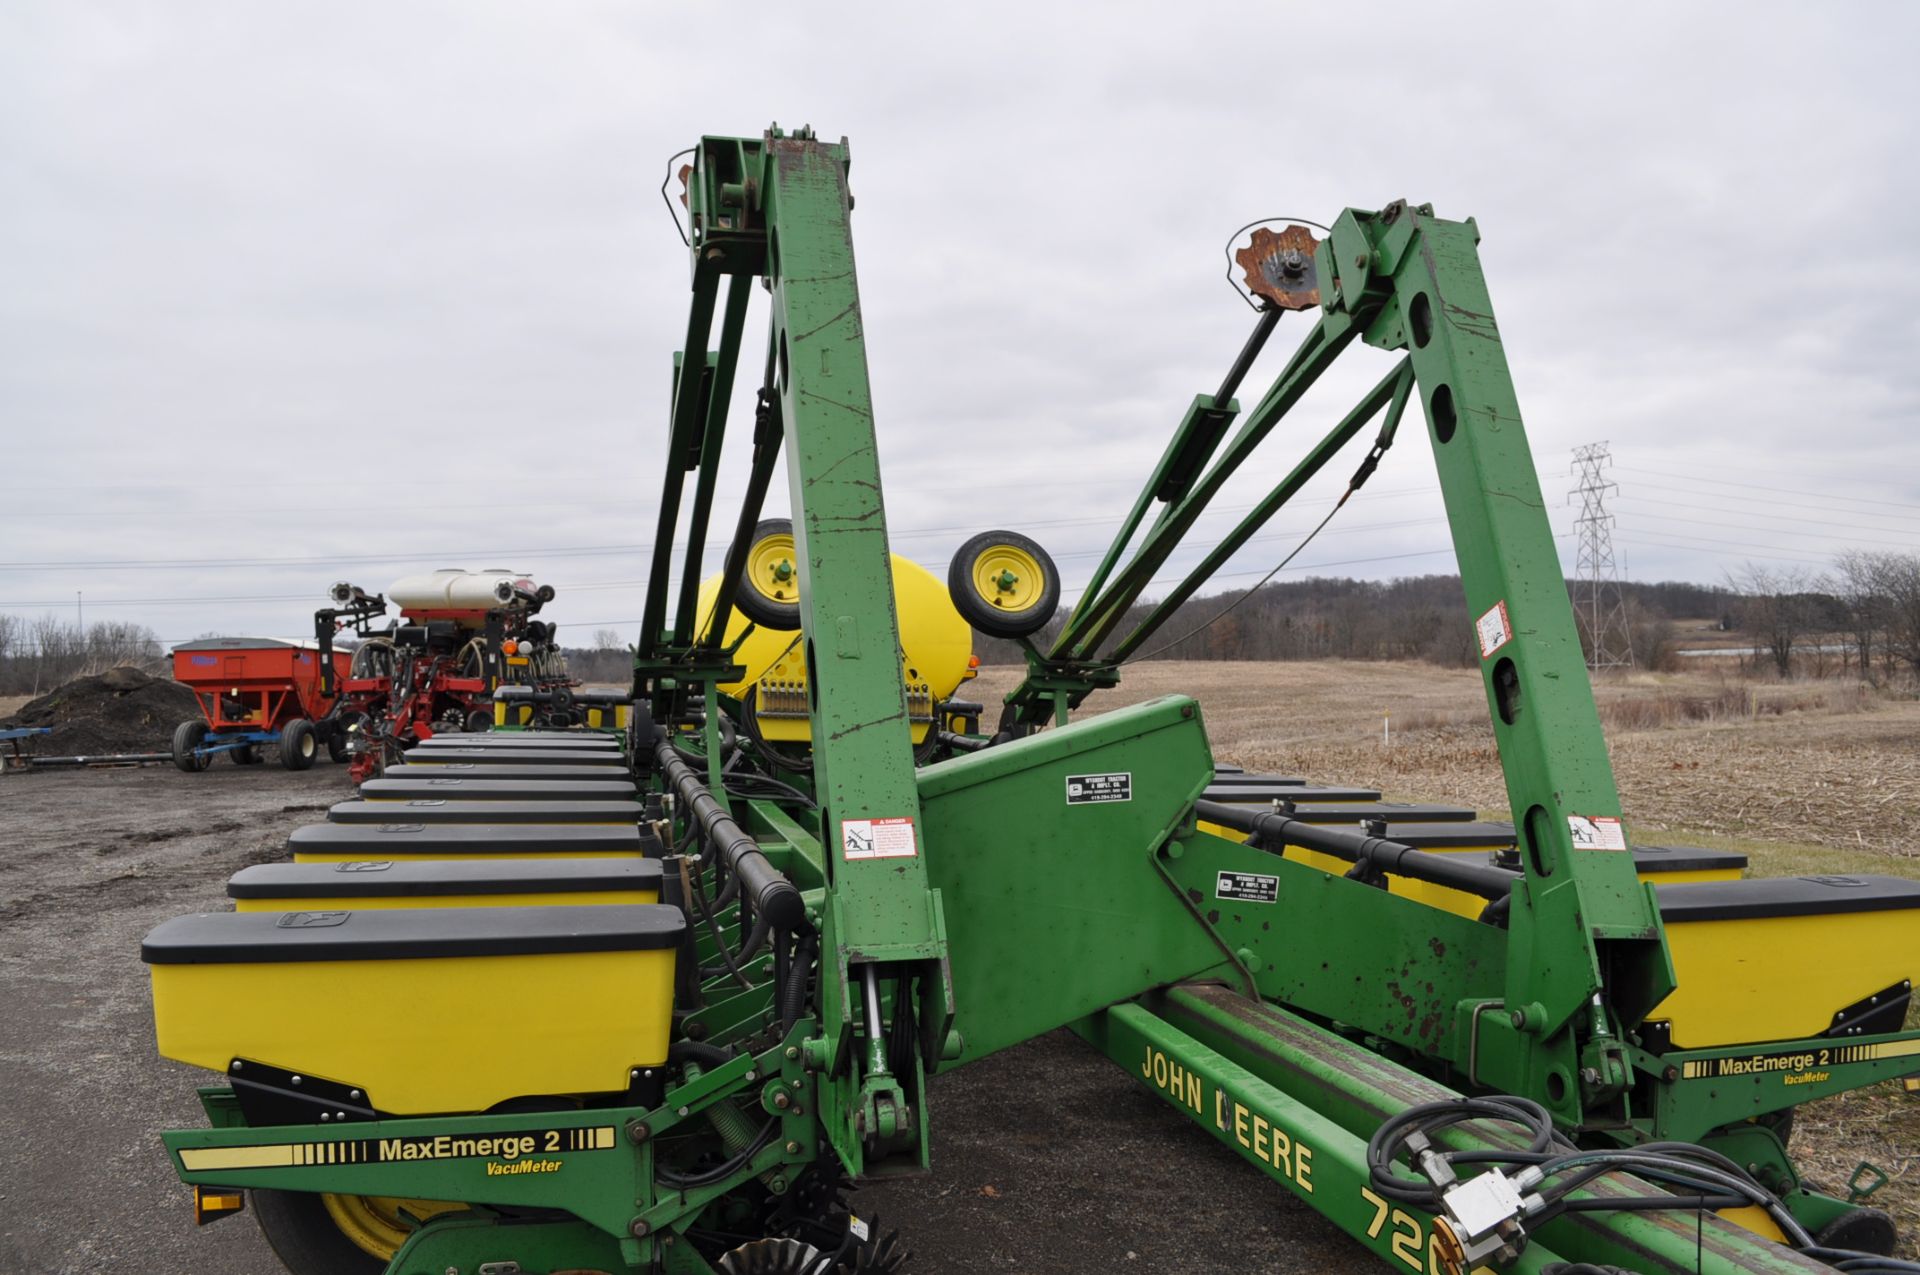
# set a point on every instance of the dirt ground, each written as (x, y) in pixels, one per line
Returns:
(1047, 1157)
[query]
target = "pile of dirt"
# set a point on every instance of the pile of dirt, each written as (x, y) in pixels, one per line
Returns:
(120, 711)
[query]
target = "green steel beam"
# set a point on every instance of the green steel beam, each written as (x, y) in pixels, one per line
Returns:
(1293, 1142)
(1317, 351)
(719, 396)
(767, 433)
(685, 418)
(1390, 394)
(1582, 920)
(1355, 1088)
(880, 909)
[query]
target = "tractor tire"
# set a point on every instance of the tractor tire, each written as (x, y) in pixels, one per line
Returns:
(336, 733)
(479, 721)
(306, 1239)
(769, 590)
(186, 738)
(1004, 584)
(299, 744)
(244, 755)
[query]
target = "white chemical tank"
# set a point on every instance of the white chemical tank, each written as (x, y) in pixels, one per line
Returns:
(453, 589)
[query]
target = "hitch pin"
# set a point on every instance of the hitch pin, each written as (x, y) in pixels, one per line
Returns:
(876, 1039)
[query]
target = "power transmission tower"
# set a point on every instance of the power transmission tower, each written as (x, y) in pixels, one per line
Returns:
(1598, 603)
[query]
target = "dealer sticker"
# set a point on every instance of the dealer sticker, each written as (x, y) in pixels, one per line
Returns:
(1085, 790)
(1496, 630)
(877, 839)
(1597, 832)
(1247, 887)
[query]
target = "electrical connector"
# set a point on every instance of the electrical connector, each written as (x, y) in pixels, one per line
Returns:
(1481, 1218)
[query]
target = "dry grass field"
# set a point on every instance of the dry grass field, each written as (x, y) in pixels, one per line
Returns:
(1803, 776)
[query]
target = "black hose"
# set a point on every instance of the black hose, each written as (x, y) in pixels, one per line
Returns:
(724, 1170)
(1384, 1146)
(756, 939)
(771, 789)
(729, 742)
(773, 895)
(1710, 1180)
(729, 965)
(793, 994)
(699, 1053)
(799, 763)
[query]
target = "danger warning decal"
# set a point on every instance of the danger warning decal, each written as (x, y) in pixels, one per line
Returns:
(1495, 629)
(1597, 832)
(877, 839)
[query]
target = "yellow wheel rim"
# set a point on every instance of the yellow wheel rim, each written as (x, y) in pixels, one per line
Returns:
(375, 1222)
(1008, 578)
(773, 570)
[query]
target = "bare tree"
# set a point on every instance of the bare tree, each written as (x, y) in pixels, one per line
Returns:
(1856, 586)
(1897, 581)
(1775, 608)
(39, 654)
(608, 640)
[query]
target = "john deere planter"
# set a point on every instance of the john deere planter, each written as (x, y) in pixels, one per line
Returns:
(652, 1006)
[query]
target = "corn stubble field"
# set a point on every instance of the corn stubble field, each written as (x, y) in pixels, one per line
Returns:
(1803, 776)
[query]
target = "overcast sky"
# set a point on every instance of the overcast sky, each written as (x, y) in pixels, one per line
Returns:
(296, 293)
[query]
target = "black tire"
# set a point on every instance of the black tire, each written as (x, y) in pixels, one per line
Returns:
(769, 602)
(244, 755)
(1863, 1229)
(479, 720)
(304, 1236)
(186, 738)
(299, 744)
(1025, 606)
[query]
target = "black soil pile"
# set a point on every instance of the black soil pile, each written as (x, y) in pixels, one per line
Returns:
(120, 711)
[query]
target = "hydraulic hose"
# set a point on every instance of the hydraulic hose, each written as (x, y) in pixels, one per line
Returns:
(1356, 846)
(793, 996)
(774, 897)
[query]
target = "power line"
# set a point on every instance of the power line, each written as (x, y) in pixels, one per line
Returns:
(1752, 551)
(1782, 531)
(1824, 500)
(1785, 491)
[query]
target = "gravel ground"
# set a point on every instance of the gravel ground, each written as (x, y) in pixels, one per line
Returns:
(1047, 1157)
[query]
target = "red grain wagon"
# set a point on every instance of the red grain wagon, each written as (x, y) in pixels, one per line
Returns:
(255, 694)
